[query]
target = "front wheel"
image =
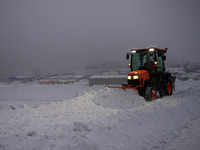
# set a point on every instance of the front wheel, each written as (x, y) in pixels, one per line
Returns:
(150, 93)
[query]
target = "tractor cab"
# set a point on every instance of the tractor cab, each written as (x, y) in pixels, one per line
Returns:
(141, 57)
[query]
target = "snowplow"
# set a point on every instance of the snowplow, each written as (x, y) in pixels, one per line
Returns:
(148, 75)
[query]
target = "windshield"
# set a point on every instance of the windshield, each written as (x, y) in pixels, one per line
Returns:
(139, 59)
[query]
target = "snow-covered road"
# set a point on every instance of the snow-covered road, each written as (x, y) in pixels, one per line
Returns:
(82, 117)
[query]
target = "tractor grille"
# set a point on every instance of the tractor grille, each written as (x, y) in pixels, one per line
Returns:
(134, 83)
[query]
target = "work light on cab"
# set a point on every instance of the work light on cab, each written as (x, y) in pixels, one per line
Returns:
(151, 49)
(133, 51)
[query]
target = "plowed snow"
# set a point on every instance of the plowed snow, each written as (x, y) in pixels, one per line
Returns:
(118, 98)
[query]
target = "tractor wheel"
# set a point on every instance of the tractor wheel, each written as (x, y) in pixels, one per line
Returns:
(169, 88)
(150, 93)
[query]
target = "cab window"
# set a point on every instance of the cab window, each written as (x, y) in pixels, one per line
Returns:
(159, 63)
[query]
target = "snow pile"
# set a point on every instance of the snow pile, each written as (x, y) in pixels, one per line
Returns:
(118, 98)
(58, 125)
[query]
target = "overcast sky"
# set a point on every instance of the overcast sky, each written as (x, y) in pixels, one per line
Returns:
(66, 33)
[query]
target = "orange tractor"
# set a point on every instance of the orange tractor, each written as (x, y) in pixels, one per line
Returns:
(148, 75)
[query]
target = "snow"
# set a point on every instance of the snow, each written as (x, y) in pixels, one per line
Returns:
(82, 117)
(33, 93)
(118, 98)
(188, 139)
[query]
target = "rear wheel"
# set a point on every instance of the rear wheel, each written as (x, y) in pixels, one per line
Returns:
(150, 93)
(169, 87)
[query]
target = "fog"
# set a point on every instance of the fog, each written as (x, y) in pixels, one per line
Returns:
(60, 34)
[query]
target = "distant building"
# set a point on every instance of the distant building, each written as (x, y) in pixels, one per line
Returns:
(22, 78)
(107, 80)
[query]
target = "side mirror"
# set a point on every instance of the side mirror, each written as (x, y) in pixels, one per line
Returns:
(127, 55)
(163, 57)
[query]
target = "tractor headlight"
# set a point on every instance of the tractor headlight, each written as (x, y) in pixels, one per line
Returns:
(135, 77)
(129, 77)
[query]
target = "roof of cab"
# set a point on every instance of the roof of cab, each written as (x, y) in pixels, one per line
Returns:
(164, 50)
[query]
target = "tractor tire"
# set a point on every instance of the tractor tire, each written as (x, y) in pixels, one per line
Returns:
(150, 93)
(169, 87)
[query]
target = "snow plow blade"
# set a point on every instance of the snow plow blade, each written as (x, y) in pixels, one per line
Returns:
(124, 87)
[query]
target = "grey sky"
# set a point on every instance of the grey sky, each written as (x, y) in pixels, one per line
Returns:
(66, 33)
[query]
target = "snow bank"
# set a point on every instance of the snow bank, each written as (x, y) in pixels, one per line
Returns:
(118, 98)
(34, 93)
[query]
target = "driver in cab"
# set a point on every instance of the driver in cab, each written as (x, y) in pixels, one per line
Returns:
(149, 65)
